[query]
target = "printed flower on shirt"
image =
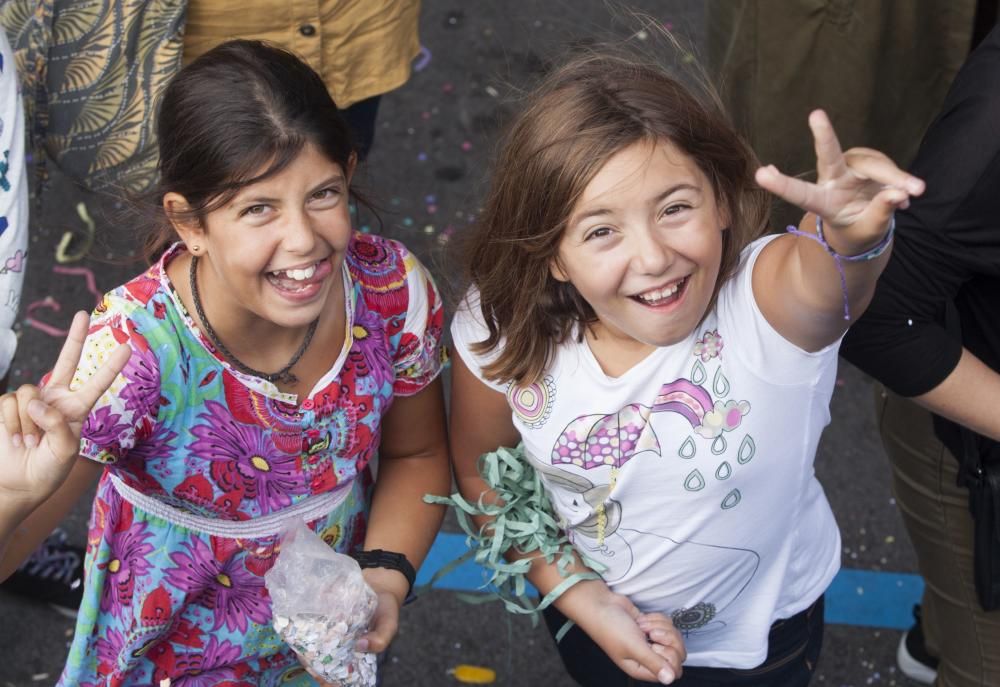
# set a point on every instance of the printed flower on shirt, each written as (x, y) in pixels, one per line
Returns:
(127, 558)
(207, 668)
(709, 346)
(724, 417)
(109, 647)
(143, 375)
(245, 460)
(370, 354)
(152, 442)
(227, 587)
(103, 427)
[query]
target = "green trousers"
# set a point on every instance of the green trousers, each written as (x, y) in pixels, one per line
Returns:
(880, 69)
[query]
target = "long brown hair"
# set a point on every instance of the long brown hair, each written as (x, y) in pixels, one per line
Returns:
(595, 105)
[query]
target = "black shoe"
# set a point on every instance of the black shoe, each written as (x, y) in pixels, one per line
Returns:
(53, 574)
(912, 657)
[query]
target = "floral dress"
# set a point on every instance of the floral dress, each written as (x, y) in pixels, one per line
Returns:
(203, 460)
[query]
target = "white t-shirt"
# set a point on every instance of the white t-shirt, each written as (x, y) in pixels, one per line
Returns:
(690, 477)
(13, 203)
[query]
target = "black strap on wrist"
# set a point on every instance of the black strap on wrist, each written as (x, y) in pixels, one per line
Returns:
(378, 558)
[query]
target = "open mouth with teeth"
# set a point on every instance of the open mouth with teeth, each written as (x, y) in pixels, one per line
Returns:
(665, 295)
(302, 280)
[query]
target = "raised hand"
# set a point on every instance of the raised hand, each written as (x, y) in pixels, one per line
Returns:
(40, 430)
(855, 192)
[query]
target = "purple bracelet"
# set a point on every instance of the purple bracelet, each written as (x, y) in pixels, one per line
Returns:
(869, 254)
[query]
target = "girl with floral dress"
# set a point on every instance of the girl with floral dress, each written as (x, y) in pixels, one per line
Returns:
(276, 357)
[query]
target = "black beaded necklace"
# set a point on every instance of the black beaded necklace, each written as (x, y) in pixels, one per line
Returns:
(284, 375)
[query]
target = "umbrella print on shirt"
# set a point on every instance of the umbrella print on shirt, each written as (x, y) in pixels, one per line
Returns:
(598, 440)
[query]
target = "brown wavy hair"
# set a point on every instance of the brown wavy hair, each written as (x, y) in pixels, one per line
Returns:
(595, 105)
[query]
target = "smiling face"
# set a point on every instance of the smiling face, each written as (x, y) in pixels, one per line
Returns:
(643, 247)
(275, 251)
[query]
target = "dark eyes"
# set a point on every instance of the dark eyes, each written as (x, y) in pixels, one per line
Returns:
(326, 193)
(254, 211)
(675, 208)
(597, 233)
(670, 210)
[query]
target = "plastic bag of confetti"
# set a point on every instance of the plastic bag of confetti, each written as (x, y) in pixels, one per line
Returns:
(321, 605)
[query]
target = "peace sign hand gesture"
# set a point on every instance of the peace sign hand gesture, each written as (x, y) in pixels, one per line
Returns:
(855, 192)
(40, 430)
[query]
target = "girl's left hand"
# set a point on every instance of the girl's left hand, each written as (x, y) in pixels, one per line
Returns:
(390, 588)
(855, 192)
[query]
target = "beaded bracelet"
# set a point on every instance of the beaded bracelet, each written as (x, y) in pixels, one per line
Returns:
(870, 254)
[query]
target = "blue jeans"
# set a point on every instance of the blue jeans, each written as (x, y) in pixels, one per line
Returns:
(793, 647)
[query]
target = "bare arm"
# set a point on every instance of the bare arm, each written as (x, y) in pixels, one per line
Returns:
(40, 478)
(480, 422)
(795, 280)
(967, 396)
(23, 532)
(413, 461)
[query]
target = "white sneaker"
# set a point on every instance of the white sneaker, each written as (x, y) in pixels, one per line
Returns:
(912, 657)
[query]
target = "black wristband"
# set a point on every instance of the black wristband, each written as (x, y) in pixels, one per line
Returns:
(377, 558)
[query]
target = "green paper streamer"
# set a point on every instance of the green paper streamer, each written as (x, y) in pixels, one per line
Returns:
(522, 521)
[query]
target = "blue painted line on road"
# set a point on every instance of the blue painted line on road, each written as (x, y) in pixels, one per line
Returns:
(865, 598)
(873, 599)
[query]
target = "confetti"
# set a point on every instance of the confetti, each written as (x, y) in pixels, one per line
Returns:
(62, 250)
(473, 675)
(326, 645)
(48, 303)
(423, 59)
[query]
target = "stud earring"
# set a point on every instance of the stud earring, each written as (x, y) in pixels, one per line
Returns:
(195, 249)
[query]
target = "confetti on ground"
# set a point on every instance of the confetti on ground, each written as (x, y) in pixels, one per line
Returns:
(473, 675)
(423, 59)
(38, 677)
(88, 276)
(48, 303)
(62, 250)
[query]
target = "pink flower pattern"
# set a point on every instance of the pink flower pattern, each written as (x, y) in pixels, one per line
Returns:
(166, 601)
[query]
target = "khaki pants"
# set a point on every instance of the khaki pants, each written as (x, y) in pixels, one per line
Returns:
(880, 69)
(936, 514)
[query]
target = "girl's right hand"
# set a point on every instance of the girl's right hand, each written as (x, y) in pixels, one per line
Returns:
(645, 646)
(40, 427)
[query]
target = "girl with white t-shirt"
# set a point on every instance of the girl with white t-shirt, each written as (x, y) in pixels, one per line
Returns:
(667, 371)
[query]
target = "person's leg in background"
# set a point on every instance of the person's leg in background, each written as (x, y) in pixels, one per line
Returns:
(879, 68)
(935, 511)
(361, 118)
